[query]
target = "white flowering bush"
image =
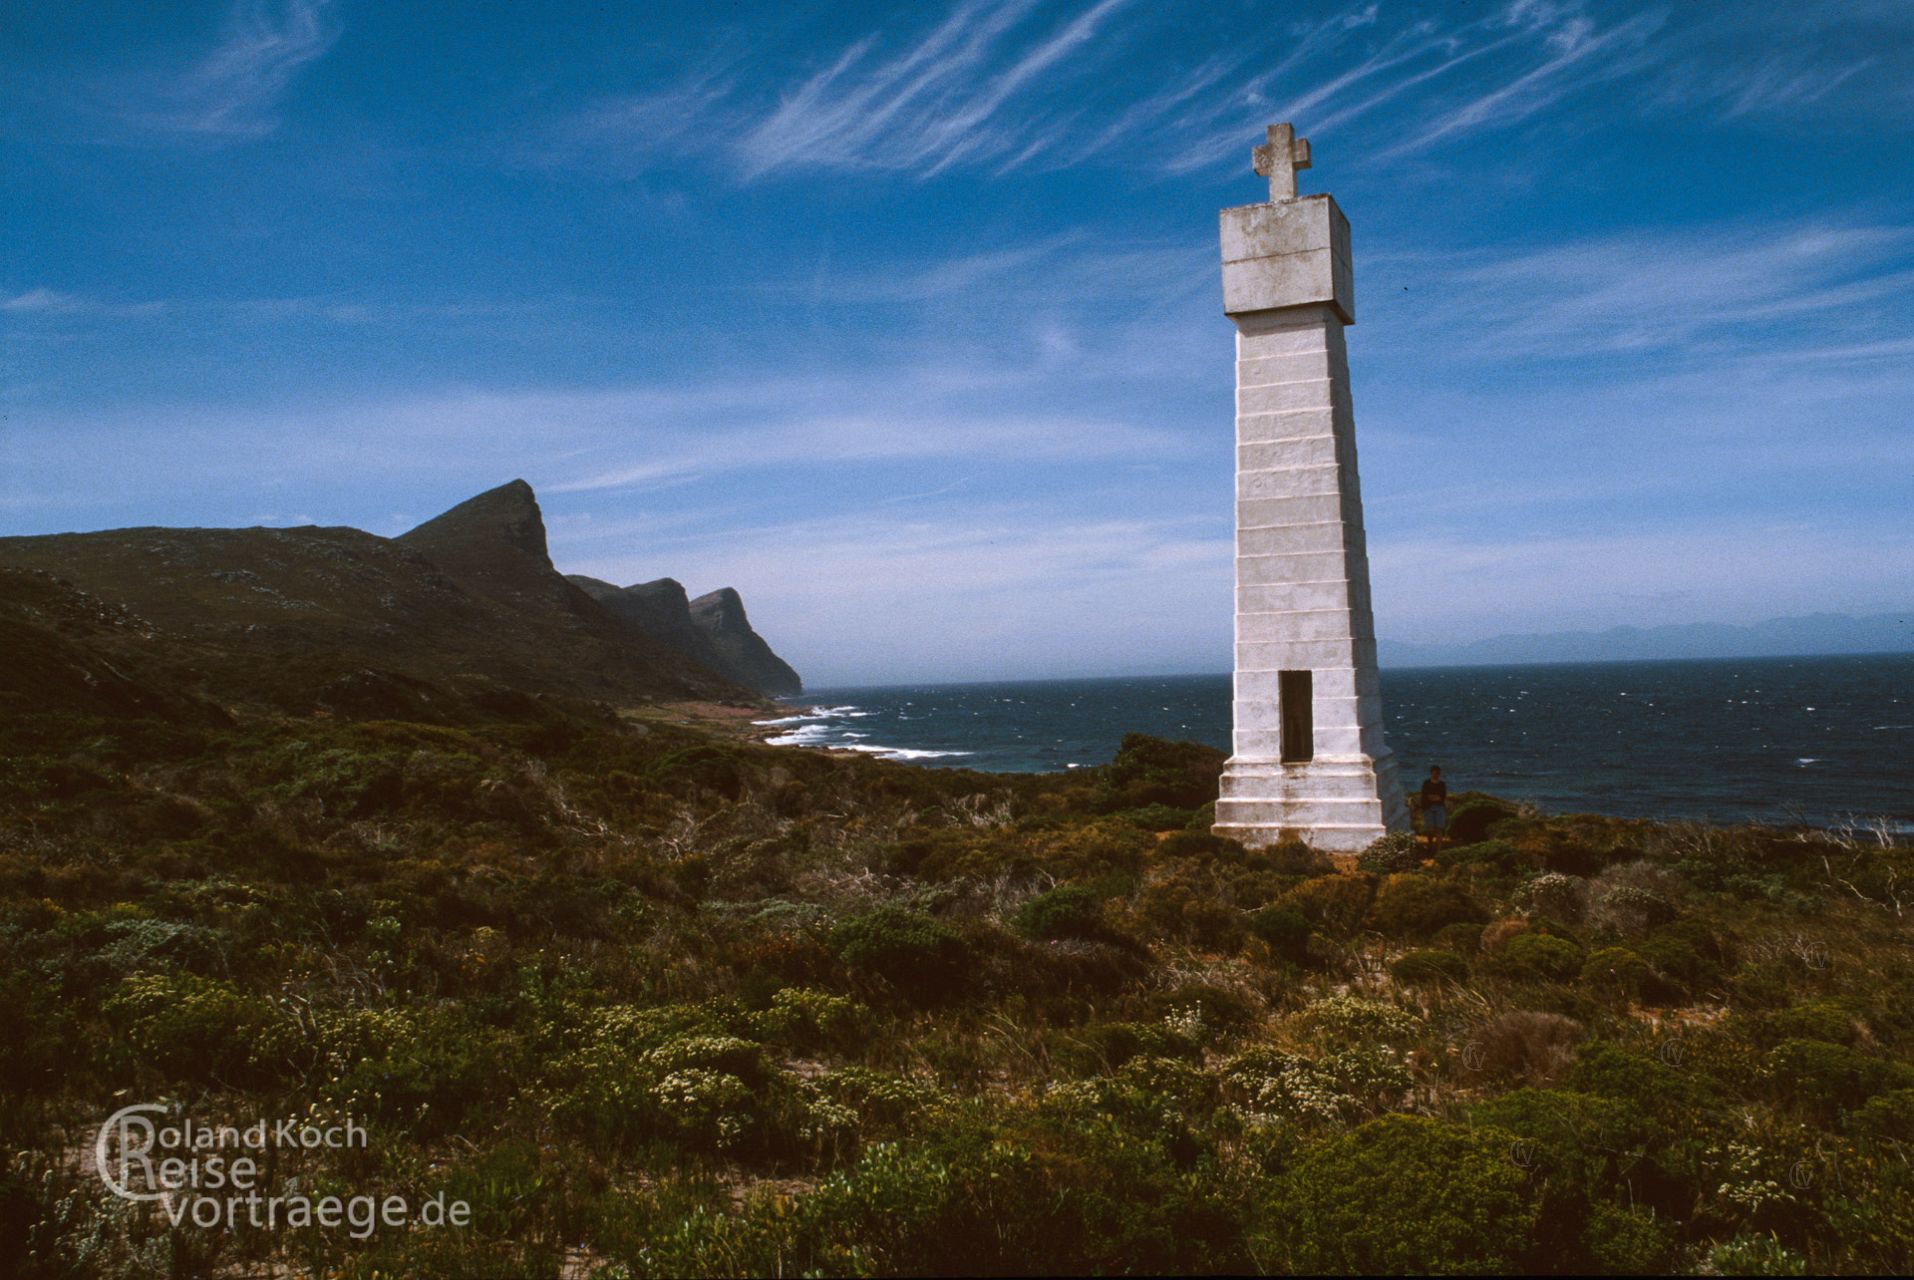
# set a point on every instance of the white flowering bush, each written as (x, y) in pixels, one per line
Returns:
(1346, 1017)
(1394, 852)
(1555, 896)
(1752, 1178)
(718, 1052)
(1268, 1084)
(670, 1072)
(807, 1018)
(1186, 1022)
(882, 1097)
(706, 1106)
(1166, 1086)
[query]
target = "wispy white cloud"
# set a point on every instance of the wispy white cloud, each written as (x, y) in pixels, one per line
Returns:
(628, 131)
(1067, 269)
(59, 307)
(41, 301)
(760, 430)
(1777, 86)
(1580, 55)
(997, 86)
(1002, 85)
(933, 105)
(649, 436)
(234, 90)
(1696, 294)
(51, 304)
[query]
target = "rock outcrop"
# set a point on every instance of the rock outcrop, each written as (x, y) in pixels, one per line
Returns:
(713, 629)
(742, 653)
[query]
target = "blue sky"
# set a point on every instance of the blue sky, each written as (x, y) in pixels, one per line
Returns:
(905, 319)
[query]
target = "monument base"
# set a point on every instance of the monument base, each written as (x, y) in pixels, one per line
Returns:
(1336, 805)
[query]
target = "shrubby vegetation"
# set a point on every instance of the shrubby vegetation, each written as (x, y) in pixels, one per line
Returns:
(659, 1003)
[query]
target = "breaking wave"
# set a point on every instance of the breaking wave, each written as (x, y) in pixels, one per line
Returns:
(825, 727)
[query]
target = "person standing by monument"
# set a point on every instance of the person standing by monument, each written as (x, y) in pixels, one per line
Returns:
(1435, 805)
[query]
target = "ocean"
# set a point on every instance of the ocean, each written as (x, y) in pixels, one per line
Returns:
(1818, 740)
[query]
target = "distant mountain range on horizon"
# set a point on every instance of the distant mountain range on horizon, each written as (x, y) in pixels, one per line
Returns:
(1813, 634)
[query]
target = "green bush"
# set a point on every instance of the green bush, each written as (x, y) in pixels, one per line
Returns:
(1156, 817)
(1146, 771)
(189, 1027)
(1403, 1194)
(717, 769)
(1111, 1044)
(1539, 956)
(1334, 905)
(918, 955)
(1415, 906)
(1474, 815)
(1829, 1076)
(1809, 1020)
(1498, 856)
(1197, 844)
(1430, 966)
(1616, 971)
(1629, 1240)
(1888, 1116)
(1294, 858)
(1649, 1087)
(1285, 930)
(1068, 911)
(1680, 960)
(1578, 1139)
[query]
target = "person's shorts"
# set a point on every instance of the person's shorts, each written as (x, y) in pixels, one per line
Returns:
(1435, 818)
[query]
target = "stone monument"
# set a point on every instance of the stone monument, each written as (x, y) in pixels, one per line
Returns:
(1309, 760)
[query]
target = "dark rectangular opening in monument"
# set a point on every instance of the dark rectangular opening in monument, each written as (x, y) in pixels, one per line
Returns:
(1294, 690)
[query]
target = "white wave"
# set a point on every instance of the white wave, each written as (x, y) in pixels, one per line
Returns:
(909, 753)
(817, 713)
(822, 736)
(810, 735)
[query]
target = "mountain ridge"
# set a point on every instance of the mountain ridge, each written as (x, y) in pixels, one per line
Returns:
(456, 618)
(714, 629)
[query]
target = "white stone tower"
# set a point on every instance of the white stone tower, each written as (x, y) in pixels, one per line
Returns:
(1310, 762)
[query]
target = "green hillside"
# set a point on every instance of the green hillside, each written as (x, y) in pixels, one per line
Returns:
(656, 1002)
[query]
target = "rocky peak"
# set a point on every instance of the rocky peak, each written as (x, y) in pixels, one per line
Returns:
(720, 610)
(503, 518)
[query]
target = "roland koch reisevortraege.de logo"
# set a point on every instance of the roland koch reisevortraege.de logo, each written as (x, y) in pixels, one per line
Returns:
(222, 1176)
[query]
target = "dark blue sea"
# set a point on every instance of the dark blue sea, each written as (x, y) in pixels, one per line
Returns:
(1776, 740)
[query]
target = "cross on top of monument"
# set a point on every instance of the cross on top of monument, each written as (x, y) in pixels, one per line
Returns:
(1279, 159)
